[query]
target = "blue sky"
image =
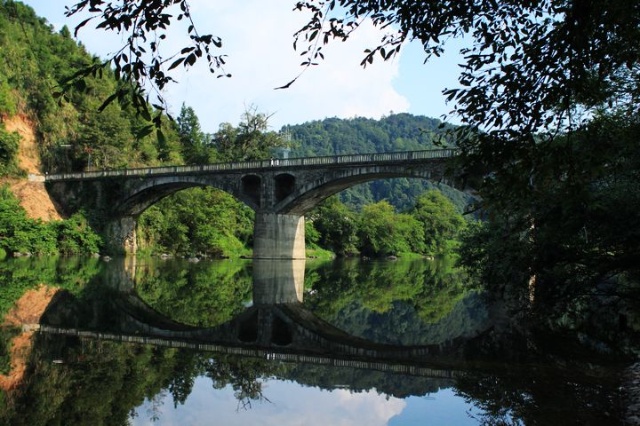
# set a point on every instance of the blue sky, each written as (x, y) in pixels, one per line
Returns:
(291, 404)
(258, 37)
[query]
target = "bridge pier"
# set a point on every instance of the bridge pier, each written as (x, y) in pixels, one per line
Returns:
(120, 235)
(278, 281)
(278, 236)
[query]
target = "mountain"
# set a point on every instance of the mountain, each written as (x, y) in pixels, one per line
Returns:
(393, 133)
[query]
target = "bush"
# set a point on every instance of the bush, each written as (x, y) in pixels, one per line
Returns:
(75, 236)
(21, 234)
(9, 143)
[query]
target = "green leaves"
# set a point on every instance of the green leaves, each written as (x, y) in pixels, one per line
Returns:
(378, 231)
(205, 222)
(142, 60)
(20, 234)
(527, 65)
(9, 144)
(251, 140)
(565, 213)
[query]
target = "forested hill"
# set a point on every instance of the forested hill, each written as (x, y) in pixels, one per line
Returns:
(393, 133)
(71, 133)
(396, 132)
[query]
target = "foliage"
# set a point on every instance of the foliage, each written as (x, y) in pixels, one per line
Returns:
(430, 228)
(545, 87)
(193, 139)
(20, 234)
(9, 143)
(76, 237)
(198, 221)
(8, 105)
(440, 220)
(336, 226)
(585, 52)
(143, 59)
(572, 223)
(378, 231)
(205, 295)
(393, 133)
(77, 129)
(251, 140)
(404, 302)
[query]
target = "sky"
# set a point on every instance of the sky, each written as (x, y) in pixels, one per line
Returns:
(291, 404)
(257, 36)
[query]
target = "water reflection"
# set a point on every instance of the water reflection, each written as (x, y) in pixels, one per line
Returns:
(172, 340)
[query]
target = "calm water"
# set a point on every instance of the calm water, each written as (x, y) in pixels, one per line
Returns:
(282, 343)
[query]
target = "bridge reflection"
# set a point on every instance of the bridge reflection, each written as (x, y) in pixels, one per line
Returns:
(276, 327)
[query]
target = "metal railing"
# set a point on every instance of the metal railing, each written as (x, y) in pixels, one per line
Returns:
(262, 164)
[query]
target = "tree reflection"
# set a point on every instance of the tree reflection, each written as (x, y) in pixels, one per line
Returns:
(99, 382)
(205, 294)
(405, 302)
(538, 395)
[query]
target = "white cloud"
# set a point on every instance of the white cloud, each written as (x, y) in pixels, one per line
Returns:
(289, 405)
(258, 37)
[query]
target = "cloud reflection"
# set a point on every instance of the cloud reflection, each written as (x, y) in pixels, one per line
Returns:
(288, 404)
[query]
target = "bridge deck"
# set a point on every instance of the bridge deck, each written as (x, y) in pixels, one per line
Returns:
(377, 158)
(414, 367)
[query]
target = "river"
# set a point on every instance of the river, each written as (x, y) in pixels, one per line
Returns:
(244, 342)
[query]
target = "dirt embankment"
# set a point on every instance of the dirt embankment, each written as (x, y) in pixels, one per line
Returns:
(36, 201)
(32, 195)
(28, 310)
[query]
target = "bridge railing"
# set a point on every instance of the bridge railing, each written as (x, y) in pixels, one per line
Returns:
(262, 164)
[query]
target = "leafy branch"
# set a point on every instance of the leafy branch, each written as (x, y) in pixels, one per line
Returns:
(141, 61)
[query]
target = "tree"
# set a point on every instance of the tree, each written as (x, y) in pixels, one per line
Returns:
(337, 226)
(9, 143)
(142, 59)
(251, 140)
(382, 232)
(440, 220)
(576, 226)
(528, 64)
(198, 221)
(193, 139)
(539, 83)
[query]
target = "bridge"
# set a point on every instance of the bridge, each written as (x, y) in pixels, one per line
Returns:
(280, 191)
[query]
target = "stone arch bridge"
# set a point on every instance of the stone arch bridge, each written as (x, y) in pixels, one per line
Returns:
(280, 191)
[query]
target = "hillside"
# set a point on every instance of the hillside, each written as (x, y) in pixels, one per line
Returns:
(62, 118)
(33, 196)
(42, 132)
(393, 133)
(396, 132)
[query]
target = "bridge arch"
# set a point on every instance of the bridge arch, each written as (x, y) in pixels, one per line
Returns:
(285, 184)
(136, 198)
(312, 193)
